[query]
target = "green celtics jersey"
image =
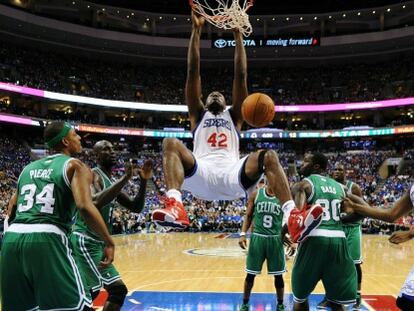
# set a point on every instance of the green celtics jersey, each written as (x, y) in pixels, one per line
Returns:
(106, 211)
(44, 193)
(349, 184)
(328, 193)
(268, 214)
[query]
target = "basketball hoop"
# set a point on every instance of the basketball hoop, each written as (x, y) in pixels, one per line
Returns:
(228, 14)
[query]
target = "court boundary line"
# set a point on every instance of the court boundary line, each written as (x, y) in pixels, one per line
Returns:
(227, 292)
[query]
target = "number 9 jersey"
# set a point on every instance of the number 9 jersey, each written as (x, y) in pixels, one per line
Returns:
(44, 193)
(266, 243)
(268, 214)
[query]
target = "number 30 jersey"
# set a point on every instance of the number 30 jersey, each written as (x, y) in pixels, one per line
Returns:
(267, 215)
(328, 193)
(216, 138)
(44, 193)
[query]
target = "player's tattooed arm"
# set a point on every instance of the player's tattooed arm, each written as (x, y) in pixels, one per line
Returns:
(301, 191)
(403, 206)
(137, 204)
(248, 218)
(103, 197)
(193, 82)
(239, 92)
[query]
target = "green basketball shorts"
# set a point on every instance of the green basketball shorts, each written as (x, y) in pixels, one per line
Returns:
(269, 248)
(326, 259)
(38, 270)
(354, 239)
(88, 254)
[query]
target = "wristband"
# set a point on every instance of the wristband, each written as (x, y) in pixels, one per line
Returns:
(242, 233)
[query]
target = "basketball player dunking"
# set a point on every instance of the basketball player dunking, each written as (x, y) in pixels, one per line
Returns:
(214, 170)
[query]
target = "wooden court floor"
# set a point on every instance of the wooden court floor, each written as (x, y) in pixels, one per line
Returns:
(203, 262)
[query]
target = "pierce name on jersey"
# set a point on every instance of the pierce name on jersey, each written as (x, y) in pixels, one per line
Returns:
(41, 173)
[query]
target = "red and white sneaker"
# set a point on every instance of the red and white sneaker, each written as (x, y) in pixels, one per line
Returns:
(301, 223)
(173, 215)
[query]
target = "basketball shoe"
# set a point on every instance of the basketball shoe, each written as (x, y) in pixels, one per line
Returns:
(173, 215)
(301, 223)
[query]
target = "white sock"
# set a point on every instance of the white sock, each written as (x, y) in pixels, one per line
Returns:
(174, 193)
(287, 207)
(6, 224)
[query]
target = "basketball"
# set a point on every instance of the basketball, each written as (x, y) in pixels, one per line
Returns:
(258, 109)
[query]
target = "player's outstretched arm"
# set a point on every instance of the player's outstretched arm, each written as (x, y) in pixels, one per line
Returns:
(403, 206)
(402, 236)
(301, 191)
(239, 92)
(138, 202)
(193, 82)
(103, 197)
(248, 218)
(81, 179)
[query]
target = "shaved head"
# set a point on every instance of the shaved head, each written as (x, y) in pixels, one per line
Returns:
(105, 154)
(100, 145)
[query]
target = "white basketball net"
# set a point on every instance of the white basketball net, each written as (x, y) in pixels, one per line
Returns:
(229, 14)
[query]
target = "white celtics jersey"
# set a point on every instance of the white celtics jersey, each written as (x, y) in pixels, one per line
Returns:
(216, 137)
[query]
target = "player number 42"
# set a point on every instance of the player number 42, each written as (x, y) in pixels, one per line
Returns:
(218, 140)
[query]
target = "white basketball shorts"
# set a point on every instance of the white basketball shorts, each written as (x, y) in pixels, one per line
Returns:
(214, 180)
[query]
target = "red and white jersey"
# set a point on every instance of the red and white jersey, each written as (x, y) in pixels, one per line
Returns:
(216, 138)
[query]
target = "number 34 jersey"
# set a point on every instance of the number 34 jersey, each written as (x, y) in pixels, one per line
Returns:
(44, 193)
(216, 138)
(328, 193)
(268, 214)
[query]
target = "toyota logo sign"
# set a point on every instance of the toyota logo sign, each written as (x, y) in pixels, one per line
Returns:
(220, 43)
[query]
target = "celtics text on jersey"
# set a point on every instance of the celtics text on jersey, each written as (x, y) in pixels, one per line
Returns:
(268, 214)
